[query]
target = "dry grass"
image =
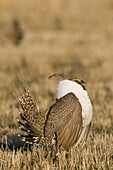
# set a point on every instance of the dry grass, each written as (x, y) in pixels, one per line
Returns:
(71, 37)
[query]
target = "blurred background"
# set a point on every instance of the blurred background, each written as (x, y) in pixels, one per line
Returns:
(42, 37)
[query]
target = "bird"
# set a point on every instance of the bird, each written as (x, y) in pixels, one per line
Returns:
(66, 123)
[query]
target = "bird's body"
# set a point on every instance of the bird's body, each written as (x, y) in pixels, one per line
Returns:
(67, 121)
(66, 87)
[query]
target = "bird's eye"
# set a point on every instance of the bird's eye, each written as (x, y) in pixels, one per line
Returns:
(78, 80)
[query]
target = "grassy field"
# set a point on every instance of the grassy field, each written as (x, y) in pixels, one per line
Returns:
(39, 38)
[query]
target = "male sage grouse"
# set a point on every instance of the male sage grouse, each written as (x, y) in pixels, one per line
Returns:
(66, 122)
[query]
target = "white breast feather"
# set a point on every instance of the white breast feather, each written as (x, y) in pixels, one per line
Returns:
(67, 86)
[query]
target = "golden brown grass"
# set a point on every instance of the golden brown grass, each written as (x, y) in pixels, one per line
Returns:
(71, 37)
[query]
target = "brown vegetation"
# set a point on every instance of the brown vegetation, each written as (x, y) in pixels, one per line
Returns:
(70, 37)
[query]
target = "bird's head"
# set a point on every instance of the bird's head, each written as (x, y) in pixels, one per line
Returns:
(65, 77)
(81, 82)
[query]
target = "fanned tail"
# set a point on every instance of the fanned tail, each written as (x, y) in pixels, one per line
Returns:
(32, 121)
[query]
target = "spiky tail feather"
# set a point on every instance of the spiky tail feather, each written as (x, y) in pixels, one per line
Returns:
(32, 122)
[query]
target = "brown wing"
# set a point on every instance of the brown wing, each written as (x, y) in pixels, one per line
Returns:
(65, 118)
(69, 135)
(83, 136)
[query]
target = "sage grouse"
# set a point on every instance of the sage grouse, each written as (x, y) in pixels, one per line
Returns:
(66, 122)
